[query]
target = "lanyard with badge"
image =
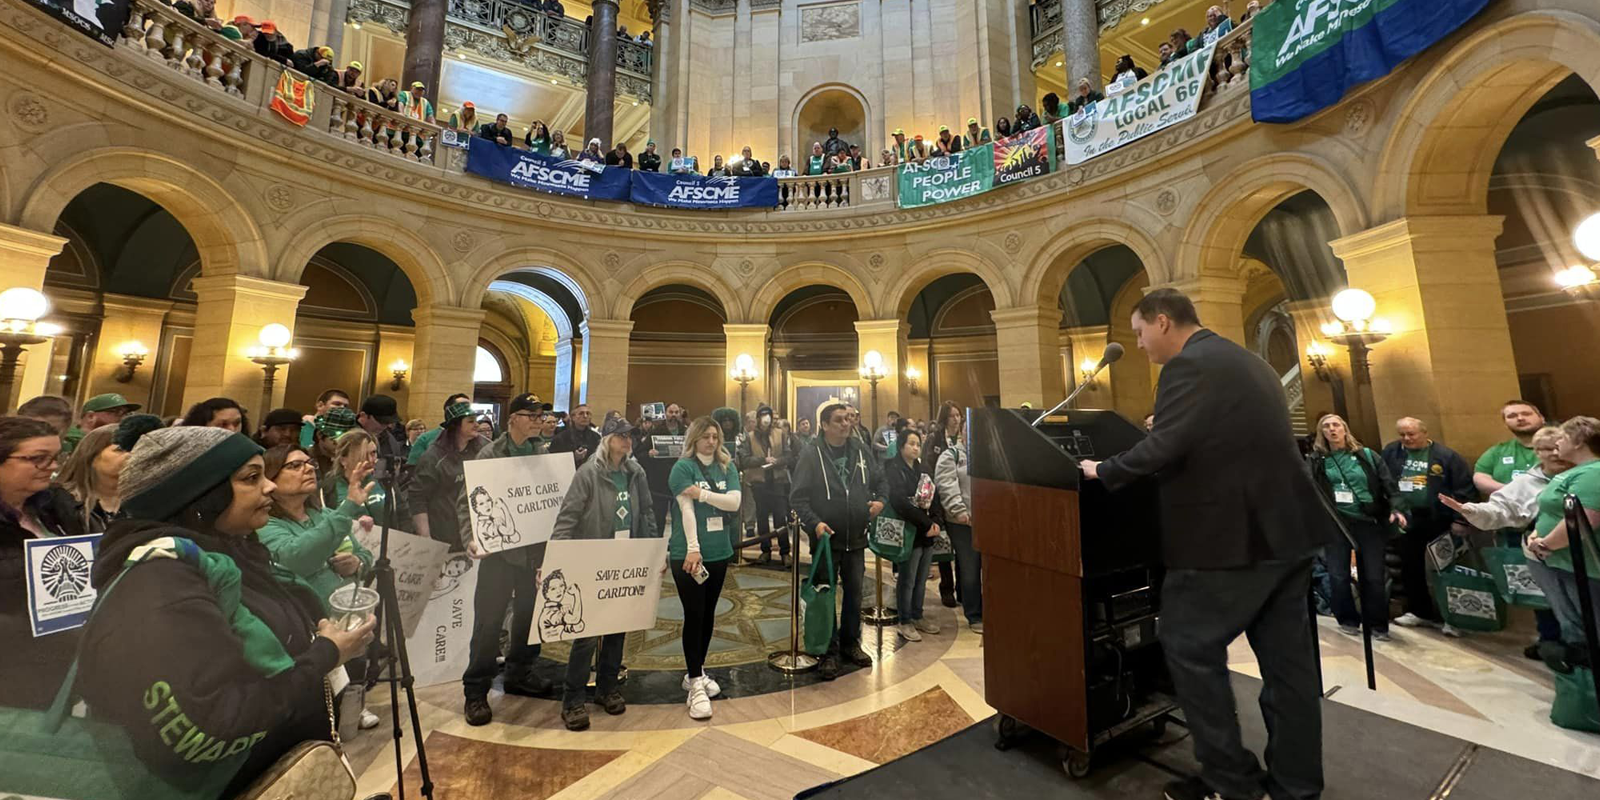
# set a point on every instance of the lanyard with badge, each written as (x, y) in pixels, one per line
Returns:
(1343, 493)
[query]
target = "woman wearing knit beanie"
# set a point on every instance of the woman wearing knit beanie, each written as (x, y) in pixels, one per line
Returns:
(213, 661)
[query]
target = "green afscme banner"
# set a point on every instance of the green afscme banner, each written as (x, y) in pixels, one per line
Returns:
(945, 178)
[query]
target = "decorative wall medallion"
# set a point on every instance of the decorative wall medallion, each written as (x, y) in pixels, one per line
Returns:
(1167, 202)
(821, 23)
(876, 188)
(747, 268)
(612, 261)
(462, 241)
(544, 209)
(875, 261)
(280, 197)
(30, 112)
(1359, 116)
(1013, 243)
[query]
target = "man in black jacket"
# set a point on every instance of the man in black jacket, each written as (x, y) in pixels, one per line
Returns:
(1423, 471)
(838, 489)
(1240, 527)
(578, 436)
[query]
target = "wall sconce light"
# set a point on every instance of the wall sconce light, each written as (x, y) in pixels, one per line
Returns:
(1086, 372)
(1317, 356)
(913, 376)
(274, 352)
(399, 368)
(133, 354)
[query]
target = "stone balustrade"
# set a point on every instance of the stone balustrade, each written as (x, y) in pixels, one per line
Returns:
(865, 190)
(374, 126)
(157, 30)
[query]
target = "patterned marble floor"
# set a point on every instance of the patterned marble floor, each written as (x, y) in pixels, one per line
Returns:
(789, 734)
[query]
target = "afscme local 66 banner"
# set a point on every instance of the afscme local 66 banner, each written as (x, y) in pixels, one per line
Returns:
(1306, 53)
(1161, 100)
(546, 173)
(698, 191)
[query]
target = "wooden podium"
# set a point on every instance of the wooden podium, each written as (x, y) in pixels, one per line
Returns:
(1070, 575)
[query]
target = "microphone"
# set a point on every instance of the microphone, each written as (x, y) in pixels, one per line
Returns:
(1112, 354)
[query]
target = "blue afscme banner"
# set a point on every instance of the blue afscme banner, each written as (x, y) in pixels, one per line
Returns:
(698, 191)
(546, 173)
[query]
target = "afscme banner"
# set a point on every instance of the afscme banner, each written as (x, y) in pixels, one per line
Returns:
(1160, 101)
(546, 173)
(1305, 54)
(942, 179)
(698, 191)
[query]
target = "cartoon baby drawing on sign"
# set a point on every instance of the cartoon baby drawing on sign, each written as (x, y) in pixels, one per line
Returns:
(563, 608)
(492, 520)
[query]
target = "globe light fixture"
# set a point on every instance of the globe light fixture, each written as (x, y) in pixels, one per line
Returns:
(20, 310)
(1356, 329)
(273, 352)
(1575, 278)
(1587, 237)
(744, 371)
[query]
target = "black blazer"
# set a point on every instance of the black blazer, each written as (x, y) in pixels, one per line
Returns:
(1233, 489)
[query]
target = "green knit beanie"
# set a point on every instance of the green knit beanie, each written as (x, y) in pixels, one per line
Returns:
(172, 467)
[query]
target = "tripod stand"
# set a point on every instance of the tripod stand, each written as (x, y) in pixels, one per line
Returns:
(388, 656)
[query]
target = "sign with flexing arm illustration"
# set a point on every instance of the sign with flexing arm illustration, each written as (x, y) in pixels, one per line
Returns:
(592, 587)
(513, 502)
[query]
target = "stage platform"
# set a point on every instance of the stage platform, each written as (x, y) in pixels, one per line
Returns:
(1367, 757)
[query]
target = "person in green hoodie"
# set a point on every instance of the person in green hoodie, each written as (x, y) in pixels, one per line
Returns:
(355, 450)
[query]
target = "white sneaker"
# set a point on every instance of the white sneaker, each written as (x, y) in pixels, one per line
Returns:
(699, 703)
(976, 627)
(908, 632)
(712, 689)
(1410, 620)
(1452, 631)
(369, 720)
(928, 626)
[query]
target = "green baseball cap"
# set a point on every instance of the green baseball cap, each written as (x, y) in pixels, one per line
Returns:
(454, 412)
(335, 421)
(106, 402)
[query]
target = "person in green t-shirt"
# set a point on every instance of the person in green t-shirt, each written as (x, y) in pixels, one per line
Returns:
(1552, 543)
(1357, 482)
(1514, 456)
(817, 163)
(422, 443)
(705, 485)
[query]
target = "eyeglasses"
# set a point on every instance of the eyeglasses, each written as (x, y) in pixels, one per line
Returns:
(300, 466)
(526, 415)
(40, 461)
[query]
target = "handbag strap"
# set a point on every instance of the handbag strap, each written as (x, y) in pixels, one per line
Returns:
(823, 555)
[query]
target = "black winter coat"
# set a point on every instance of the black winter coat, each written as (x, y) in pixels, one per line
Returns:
(32, 668)
(818, 495)
(901, 483)
(1448, 474)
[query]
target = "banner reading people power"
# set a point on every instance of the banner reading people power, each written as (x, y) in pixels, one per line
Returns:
(1159, 101)
(698, 191)
(945, 178)
(1306, 53)
(546, 173)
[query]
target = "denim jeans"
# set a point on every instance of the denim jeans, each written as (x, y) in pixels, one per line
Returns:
(500, 582)
(772, 502)
(851, 567)
(1564, 600)
(969, 571)
(606, 669)
(912, 583)
(1372, 573)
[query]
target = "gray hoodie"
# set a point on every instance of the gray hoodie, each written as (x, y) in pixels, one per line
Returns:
(589, 510)
(950, 476)
(1515, 505)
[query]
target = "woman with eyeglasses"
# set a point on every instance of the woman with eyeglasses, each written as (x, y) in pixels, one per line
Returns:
(30, 508)
(311, 541)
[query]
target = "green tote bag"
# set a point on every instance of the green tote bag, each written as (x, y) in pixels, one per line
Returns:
(817, 600)
(890, 537)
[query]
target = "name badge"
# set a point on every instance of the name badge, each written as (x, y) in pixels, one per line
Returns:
(1508, 460)
(57, 570)
(714, 524)
(1343, 496)
(1407, 486)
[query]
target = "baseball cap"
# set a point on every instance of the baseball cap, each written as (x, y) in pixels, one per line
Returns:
(382, 408)
(268, 26)
(972, 120)
(282, 416)
(899, 131)
(418, 85)
(106, 402)
(468, 104)
(944, 128)
(243, 19)
(356, 65)
(525, 402)
(620, 425)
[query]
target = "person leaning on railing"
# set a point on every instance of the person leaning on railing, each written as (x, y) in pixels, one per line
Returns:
(271, 44)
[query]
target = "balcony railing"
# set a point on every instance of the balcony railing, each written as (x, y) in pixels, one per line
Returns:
(508, 32)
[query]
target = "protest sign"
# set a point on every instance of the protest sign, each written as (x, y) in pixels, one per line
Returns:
(942, 179)
(59, 594)
(416, 561)
(1160, 101)
(592, 587)
(1027, 155)
(545, 173)
(667, 446)
(513, 502)
(441, 646)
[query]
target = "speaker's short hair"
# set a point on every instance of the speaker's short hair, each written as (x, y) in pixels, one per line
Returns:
(1174, 304)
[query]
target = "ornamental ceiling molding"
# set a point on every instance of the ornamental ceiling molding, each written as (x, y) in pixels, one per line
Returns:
(716, 8)
(232, 118)
(1112, 11)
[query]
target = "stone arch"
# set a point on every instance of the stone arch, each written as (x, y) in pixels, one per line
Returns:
(542, 301)
(869, 122)
(1439, 157)
(225, 234)
(410, 252)
(1045, 277)
(552, 264)
(791, 277)
(1215, 237)
(685, 272)
(925, 267)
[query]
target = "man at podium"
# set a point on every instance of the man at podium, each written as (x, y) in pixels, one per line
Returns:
(1240, 527)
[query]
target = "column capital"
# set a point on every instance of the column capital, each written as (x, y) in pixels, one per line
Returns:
(22, 241)
(879, 326)
(746, 329)
(245, 286)
(1594, 144)
(1454, 232)
(1026, 316)
(605, 327)
(134, 305)
(1205, 286)
(447, 316)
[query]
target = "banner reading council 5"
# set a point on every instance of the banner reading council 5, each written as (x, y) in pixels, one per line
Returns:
(698, 191)
(546, 173)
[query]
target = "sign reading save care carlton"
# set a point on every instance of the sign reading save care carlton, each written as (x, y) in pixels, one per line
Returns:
(698, 191)
(592, 587)
(1159, 101)
(1306, 53)
(531, 170)
(942, 179)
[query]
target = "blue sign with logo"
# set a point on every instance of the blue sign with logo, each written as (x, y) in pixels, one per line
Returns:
(543, 173)
(698, 191)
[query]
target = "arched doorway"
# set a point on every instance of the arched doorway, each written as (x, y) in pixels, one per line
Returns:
(833, 107)
(676, 351)
(1096, 306)
(952, 354)
(814, 353)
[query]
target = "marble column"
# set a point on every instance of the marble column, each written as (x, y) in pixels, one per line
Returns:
(24, 256)
(1028, 340)
(561, 398)
(888, 337)
(602, 87)
(1080, 38)
(1449, 361)
(425, 48)
(228, 319)
(1219, 301)
(748, 340)
(127, 319)
(663, 109)
(327, 27)
(605, 365)
(444, 357)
